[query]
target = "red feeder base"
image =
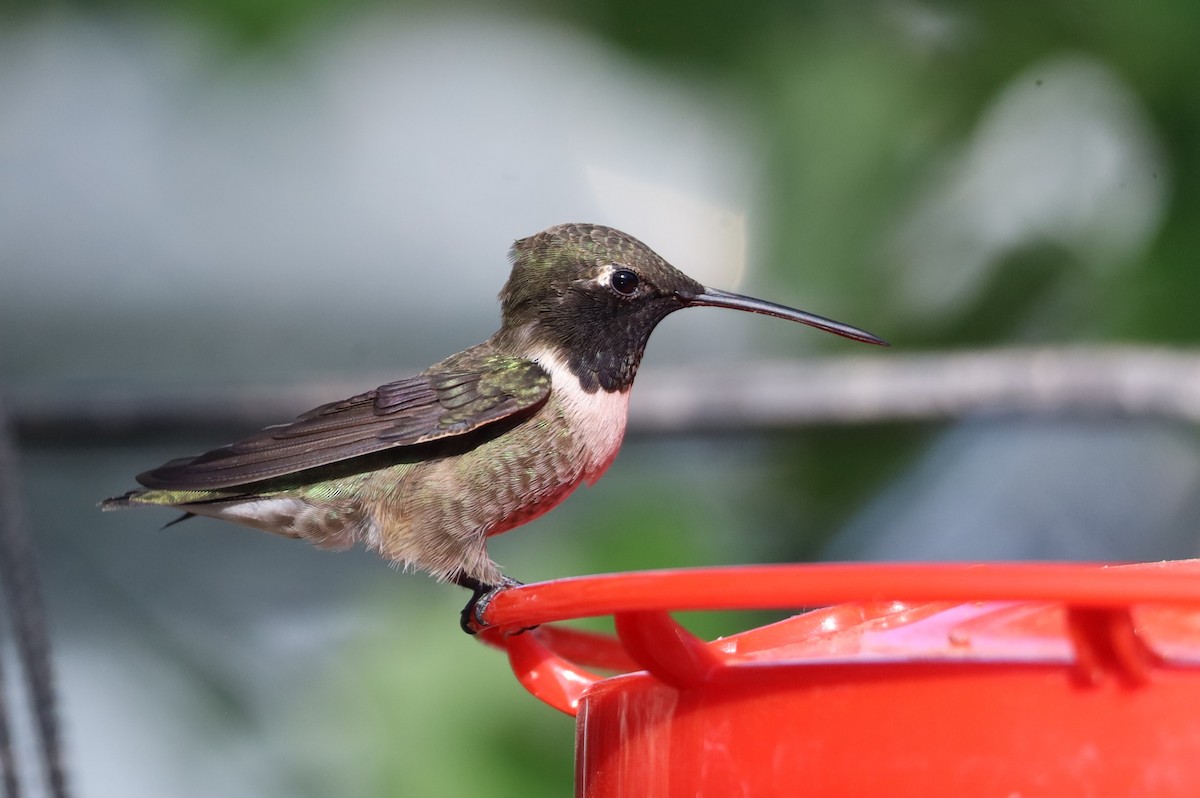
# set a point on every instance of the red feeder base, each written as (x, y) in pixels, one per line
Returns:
(1051, 680)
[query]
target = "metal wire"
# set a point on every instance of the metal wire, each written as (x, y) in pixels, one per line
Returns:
(18, 577)
(8, 760)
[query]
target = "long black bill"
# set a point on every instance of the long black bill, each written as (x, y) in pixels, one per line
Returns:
(711, 297)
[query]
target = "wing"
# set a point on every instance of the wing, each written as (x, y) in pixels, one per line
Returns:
(419, 409)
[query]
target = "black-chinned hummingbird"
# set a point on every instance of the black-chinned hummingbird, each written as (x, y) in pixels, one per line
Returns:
(424, 470)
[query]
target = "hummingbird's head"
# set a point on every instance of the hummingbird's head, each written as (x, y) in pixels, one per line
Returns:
(592, 295)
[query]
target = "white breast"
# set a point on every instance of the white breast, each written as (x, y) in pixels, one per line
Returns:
(596, 420)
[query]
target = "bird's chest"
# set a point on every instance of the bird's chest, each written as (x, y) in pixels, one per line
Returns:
(528, 470)
(595, 423)
(573, 439)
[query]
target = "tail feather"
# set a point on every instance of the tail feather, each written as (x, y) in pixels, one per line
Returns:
(183, 517)
(118, 502)
(126, 501)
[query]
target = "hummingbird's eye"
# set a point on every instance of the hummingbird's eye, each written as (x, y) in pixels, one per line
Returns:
(624, 281)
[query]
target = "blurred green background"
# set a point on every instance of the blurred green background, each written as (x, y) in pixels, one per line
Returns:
(264, 193)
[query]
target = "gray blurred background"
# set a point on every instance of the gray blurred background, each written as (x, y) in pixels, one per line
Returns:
(265, 195)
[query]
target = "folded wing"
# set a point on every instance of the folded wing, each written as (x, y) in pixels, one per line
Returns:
(420, 409)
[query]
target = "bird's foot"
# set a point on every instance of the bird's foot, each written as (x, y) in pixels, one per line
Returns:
(471, 619)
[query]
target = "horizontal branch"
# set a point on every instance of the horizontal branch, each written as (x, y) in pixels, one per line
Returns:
(1115, 381)
(887, 387)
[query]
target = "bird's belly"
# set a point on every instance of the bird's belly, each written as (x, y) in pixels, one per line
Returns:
(532, 508)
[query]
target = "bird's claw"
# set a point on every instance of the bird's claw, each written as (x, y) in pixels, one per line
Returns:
(471, 619)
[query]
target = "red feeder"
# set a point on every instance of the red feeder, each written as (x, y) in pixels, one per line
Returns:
(922, 680)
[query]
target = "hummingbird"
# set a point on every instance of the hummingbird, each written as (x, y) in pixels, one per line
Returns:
(425, 469)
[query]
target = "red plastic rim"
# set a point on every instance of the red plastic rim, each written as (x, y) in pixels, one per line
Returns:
(818, 585)
(1096, 618)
